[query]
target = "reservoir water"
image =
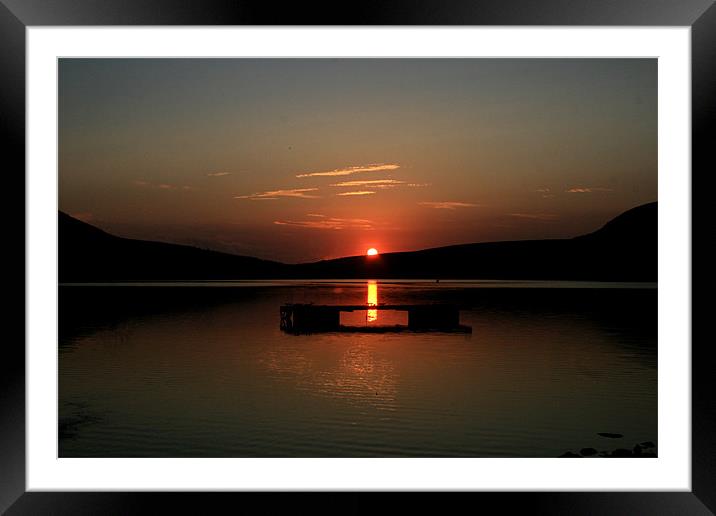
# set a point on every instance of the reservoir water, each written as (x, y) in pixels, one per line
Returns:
(204, 370)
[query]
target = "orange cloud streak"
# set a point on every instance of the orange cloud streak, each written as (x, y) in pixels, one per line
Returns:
(347, 171)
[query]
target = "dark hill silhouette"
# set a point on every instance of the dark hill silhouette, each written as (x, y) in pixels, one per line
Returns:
(624, 249)
(638, 224)
(88, 254)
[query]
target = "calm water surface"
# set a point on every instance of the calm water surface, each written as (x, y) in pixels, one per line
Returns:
(204, 370)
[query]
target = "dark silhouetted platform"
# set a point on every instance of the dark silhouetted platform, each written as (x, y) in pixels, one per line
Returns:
(309, 318)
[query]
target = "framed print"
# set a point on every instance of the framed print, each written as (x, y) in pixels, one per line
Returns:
(412, 249)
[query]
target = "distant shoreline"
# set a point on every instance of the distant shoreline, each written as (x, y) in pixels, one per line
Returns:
(624, 250)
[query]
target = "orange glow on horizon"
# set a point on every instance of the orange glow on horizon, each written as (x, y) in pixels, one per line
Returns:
(372, 251)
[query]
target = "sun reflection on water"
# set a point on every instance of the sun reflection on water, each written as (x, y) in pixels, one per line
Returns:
(372, 315)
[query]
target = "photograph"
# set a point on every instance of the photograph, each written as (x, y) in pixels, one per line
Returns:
(357, 257)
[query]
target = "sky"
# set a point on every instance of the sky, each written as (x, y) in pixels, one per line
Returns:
(305, 159)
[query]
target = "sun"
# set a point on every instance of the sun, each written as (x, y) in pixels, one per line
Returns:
(372, 251)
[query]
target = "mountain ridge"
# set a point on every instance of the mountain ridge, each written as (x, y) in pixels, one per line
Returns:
(623, 249)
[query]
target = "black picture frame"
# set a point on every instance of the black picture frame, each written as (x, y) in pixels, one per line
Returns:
(17, 15)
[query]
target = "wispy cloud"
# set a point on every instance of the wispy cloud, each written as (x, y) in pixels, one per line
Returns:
(359, 192)
(546, 193)
(534, 216)
(160, 186)
(302, 193)
(447, 205)
(315, 215)
(347, 171)
(328, 223)
(374, 183)
(218, 174)
(592, 189)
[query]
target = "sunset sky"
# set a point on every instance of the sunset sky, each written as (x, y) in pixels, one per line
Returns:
(304, 159)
